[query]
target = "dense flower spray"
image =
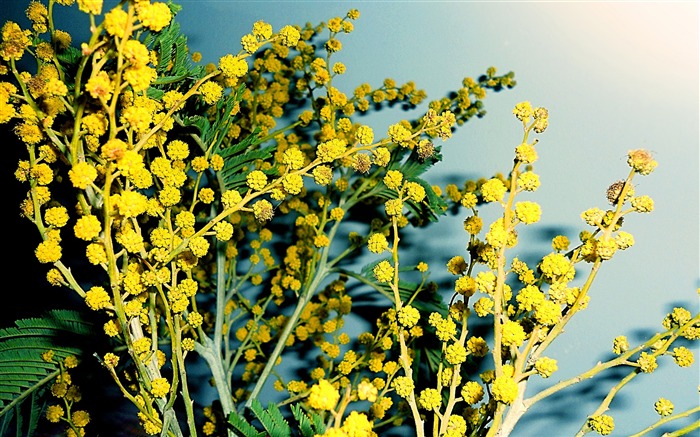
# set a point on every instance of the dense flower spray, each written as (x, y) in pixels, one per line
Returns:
(213, 216)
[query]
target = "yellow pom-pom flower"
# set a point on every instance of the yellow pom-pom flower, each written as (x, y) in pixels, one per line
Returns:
(504, 389)
(323, 396)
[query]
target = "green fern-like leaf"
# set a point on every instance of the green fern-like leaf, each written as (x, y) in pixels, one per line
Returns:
(271, 419)
(308, 427)
(243, 427)
(174, 63)
(239, 157)
(274, 423)
(23, 370)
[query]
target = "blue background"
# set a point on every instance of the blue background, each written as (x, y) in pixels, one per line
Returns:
(614, 76)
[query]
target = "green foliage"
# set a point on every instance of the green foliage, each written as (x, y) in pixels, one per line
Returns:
(240, 158)
(274, 424)
(25, 374)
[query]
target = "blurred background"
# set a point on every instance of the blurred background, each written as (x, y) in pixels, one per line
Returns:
(615, 76)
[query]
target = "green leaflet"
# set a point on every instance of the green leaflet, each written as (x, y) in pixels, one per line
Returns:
(271, 419)
(24, 375)
(274, 424)
(174, 63)
(308, 426)
(239, 159)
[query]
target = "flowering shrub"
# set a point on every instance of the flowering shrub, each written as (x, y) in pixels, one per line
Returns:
(230, 217)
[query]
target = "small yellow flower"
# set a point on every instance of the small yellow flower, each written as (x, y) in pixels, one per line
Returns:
(429, 399)
(384, 271)
(403, 385)
(54, 413)
(154, 16)
(513, 333)
(408, 316)
(97, 298)
(528, 212)
(455, 354)
(93, 7)
(523, 111)
(641, 161)
(602, 424)
(377, 243)
(472, 392)
(493, 190)
(323, 396)
(683, 356)
(546, 366)
(663, 407)
(160, 387)
(367, 391)
(48, 251)
(647, 363)
(504, 389)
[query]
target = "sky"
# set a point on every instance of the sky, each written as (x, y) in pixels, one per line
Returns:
(614, 76)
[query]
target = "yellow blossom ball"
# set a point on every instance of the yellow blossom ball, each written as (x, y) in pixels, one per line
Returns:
(323, 396)
(408, 316)
(528, 181)
(211, 92)
(293, 183)
(82, 175)
(115, 22)
(523, 111)
(199, 246)
(393, 207)
(455, 354)
(366, 391)
(54, 413)
(160, 387)
(93, 7)
(477, 346)
(504, 389)
(546, 366)
(263, 210)
(403, 385)
(48, 251)
(512, 333)
(429, 399)
(384, 271)
(641, 161)
(526, 153)
(256, 180)
(602, 424)
(294, 158)
(381, 156)
(647, 362)
(663, 407)
(493, 190)
(377, 243)
(456, 426)
(154, 16)
(97, 298)
(528, 212)
(289, 36)
(683, 356)
(233, 66)
(548, 313)
(472, 392)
